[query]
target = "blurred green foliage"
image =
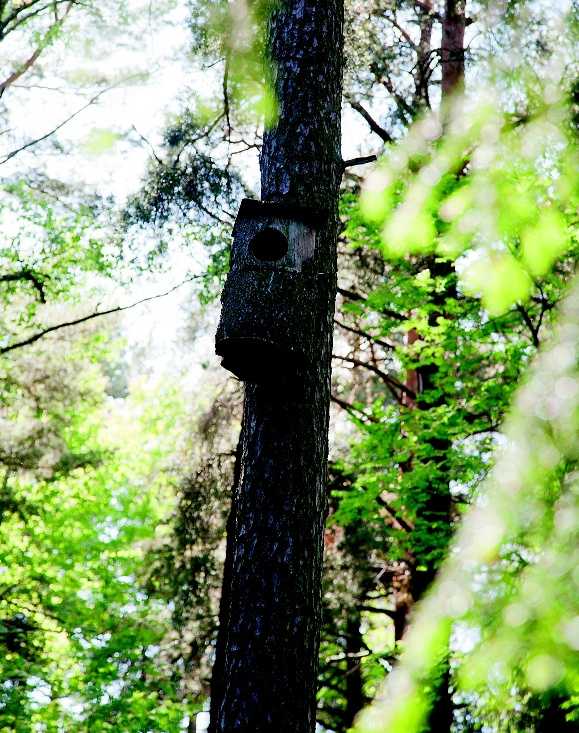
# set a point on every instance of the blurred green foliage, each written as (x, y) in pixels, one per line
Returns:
(237, 32)
(510, 584)
(473, 182)
(494, 193)
(84, 644)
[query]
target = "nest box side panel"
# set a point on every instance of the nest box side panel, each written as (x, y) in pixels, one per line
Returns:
(302, 243)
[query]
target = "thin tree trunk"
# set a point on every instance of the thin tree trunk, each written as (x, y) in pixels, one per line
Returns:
(453, 29)
(438, 505)
(355, 699)
(265, 672)
(452, 56)
(422, 71)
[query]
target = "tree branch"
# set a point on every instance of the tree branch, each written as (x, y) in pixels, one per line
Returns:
(372, 609)
(83, 319)
(226, 109)
(529, 323)
(37, 140)
(359, 161)
(355, 412)
(403, 524)
(363, 334)
(18, 21)
(390, 382)
(407, 37)
(425, 7)
(404, 108)
(148, 143)
(374, 126)
(21, 70)
(36, 280)
(352, 295)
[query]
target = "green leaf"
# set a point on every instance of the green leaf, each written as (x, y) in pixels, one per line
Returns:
(543, 243)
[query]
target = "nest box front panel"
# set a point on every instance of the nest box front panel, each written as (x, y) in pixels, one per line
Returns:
(274, 243)
(266, 327)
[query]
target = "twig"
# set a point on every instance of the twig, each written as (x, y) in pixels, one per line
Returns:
(403, 523)
(389, 381)
(37, 140)
(117, 309)
(226, 94)
(21, 70)
(374, 126)
(407, 37)
(149, 144)
(359, 161)
(372, 609)
(428, 10)
(529, 323)
(364, 335)
(36, 280)
(352, 410)
(351, 295)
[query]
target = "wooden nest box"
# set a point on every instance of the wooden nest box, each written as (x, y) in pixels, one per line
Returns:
(267, 328)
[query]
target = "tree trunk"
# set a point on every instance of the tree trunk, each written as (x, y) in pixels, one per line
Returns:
(453, 28)
(265, 672)
(452, 55)
(438, 505)
(355, 698)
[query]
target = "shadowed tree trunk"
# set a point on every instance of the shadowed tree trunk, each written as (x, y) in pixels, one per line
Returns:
(265, 672)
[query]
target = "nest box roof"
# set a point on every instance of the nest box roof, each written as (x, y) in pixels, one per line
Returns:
(252, 209)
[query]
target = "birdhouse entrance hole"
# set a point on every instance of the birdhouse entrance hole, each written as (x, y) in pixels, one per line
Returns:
(269, 245)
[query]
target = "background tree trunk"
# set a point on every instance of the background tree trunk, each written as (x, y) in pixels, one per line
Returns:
(452, 55)
(265, 673)
(452, 82)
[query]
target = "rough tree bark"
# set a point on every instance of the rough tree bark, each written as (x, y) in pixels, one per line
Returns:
(265, 672)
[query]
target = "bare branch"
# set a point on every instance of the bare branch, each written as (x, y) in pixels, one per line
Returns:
(352, 410)
(427, 8)
(17, 18)
(364, 334)
(403, 523)
(149, 144)
(226, 95)
(372, 609)
(374, 126)
(401, 103)
(359, 161)
(407, 37)
(529, 323)
(390, 382)
(352, 295)
(37, 140)
(83, 319)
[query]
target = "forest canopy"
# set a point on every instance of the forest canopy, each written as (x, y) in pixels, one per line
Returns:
(447, 501)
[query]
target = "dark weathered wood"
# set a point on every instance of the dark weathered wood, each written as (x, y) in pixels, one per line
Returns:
(265, 672)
